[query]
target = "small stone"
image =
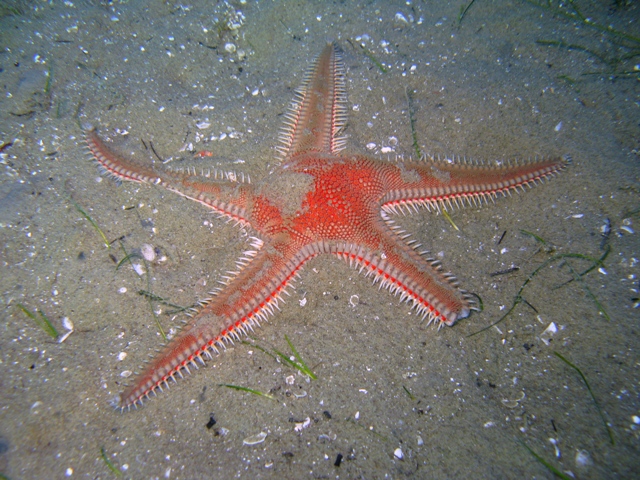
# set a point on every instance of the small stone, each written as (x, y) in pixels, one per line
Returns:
(148, 252)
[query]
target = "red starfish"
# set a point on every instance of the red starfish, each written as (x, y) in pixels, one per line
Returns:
(319, 201)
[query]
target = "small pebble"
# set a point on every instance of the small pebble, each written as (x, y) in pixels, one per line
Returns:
(148, 252)
(211, 422)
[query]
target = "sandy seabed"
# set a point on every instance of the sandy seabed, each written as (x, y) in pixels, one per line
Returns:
(394, 398)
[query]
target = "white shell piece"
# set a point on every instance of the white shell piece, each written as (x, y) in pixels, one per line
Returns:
(401, 18)
(583, 459)
(255, 439)
(549, 332)
(302, 394)
(67, 324)
(513, 403)
(301, 426)
(64, 336)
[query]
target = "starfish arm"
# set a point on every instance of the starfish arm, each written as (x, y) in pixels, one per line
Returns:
(318, 113)
(402, 270)
(220, 191)
(436, 184)
(117, 166)
(248, 297)
(229, 198)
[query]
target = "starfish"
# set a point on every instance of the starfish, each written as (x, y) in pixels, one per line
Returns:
(319, 200)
